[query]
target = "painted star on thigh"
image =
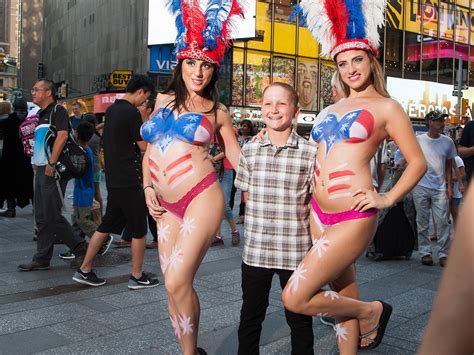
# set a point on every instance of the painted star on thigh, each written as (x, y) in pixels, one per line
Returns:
(187, 226)
(186, 325)
(320, 246)
(164, 261)
(175, 258)
(175, 324)
(163, 232)
(332, 295)
(296, 277)
(341, 332)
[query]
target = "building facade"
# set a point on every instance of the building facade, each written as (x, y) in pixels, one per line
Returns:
(85, 40)
(9, 37)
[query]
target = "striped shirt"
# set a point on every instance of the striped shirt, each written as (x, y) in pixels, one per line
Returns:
(278, 182)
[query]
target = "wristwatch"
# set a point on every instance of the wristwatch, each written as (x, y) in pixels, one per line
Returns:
(52, 165)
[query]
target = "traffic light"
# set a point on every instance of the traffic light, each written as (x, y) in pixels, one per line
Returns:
(464, 106)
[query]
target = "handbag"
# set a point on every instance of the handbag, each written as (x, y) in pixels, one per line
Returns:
(73, 160)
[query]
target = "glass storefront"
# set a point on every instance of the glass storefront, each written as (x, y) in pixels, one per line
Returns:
(422, 40)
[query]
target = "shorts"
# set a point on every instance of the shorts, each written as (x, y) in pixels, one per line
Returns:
(98, 176)
(125, 206)
(82, 216)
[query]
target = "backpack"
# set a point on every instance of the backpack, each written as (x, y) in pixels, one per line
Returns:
(26, 132)
(73, 160)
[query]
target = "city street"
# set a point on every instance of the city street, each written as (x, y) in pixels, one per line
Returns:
(45, 312)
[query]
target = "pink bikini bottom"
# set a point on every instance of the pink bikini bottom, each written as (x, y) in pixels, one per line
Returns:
(179, 207)
(324, 219)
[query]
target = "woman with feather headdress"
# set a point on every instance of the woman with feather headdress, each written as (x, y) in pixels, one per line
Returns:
(181, 187)
(344, 203)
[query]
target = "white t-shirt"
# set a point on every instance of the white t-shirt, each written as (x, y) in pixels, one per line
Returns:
(380, 157)
(437, 151)
(459, 163)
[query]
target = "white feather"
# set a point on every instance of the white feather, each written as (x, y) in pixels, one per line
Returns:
(319, 24)
(374, 16)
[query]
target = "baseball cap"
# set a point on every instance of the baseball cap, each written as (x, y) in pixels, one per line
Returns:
(436, 115)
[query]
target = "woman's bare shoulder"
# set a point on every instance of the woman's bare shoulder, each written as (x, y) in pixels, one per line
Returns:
(164, 99)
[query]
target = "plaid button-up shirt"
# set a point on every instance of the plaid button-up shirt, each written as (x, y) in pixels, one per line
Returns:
(278, 182)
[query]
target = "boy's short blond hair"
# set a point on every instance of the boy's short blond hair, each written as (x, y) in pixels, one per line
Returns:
(287, 87)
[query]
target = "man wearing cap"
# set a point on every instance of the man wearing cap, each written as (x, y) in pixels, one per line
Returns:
(432, 192)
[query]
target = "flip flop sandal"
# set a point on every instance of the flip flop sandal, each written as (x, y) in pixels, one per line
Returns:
(380, 328)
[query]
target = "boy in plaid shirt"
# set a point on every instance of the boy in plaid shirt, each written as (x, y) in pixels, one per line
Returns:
(275, 175)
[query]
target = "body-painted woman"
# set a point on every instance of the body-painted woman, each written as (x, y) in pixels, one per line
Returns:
(344, 203)
(181, 187)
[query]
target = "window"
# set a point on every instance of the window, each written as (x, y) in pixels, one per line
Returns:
(393, 52)
(257, 77)
(3, 21)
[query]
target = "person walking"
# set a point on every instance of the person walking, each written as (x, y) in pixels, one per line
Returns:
(49, 188)
(435, 188)
(125, 199)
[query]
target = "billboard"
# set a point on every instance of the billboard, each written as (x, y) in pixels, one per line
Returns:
(162, 30)
(420, 97)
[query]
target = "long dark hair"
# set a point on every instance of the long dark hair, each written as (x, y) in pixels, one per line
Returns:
(177, 88)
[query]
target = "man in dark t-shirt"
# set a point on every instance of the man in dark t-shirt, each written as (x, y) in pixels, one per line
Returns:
(466, 149)
(49, 191)
(125, 201)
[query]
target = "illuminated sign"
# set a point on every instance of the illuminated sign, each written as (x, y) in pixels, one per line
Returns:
(102, 101)
(120, 78)
(420, 97)
(162, 59)
(162, 29)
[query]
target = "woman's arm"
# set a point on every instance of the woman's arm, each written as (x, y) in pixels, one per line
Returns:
(228, 142)
(150, 196)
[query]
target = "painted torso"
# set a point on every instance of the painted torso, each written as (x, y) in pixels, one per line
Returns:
(178, 153)
(346, 143)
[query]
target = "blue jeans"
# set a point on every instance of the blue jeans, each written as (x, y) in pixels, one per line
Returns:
(430, 199)
(227, 180)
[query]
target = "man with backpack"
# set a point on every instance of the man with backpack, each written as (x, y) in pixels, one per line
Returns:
(49, 187)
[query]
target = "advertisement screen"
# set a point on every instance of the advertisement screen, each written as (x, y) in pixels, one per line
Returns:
(420, 97)
(162, 29)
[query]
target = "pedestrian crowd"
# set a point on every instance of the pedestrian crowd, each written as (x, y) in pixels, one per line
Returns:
(174, 162)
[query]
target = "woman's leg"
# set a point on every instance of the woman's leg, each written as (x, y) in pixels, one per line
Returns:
(182, 246)
(332, 254)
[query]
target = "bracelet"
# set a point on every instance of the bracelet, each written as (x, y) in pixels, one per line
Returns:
(148, 186)
(52, 165)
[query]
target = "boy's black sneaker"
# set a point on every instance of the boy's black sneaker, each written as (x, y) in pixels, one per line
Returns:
(144, 281)
(88, 278)
(106, 245)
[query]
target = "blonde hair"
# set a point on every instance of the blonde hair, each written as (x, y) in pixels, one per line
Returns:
(290, 89)
(376, 75)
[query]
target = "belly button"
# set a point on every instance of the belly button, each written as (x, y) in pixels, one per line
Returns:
(164, 173)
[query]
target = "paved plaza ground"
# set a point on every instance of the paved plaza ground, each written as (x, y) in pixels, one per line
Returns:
(45, 312)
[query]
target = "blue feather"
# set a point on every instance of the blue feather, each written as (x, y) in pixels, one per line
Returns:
(298, 11)
(356, 23)
(174, 6)
(217, 11)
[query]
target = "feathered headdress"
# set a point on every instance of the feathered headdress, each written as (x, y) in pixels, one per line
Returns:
(342, 25)
(203, 35)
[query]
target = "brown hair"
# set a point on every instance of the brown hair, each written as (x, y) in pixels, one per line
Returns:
(377, 78)
(287, 87)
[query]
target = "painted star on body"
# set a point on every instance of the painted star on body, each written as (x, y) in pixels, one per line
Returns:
(331, 294)
(334, 131)
(163, 232)
(193, 118)
(175, 324)
(186, 325)
(175, 258)
(164, 142)
(164, 262)
(296, 277)
(320, 246)
(341, 332)
(189, 127)
(187, 226)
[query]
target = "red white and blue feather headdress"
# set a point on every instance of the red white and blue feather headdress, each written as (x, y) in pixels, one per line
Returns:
(204, 35)
(342, 25)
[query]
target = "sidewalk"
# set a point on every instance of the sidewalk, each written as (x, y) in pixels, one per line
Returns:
(45, 312)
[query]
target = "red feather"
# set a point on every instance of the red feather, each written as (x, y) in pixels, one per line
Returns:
(223, 41)
(337, 13)
(194, 20)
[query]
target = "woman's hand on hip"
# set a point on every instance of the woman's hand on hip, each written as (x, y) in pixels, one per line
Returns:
(365, 199)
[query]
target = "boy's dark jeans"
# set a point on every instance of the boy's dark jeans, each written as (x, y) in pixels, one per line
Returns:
(256, 284)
